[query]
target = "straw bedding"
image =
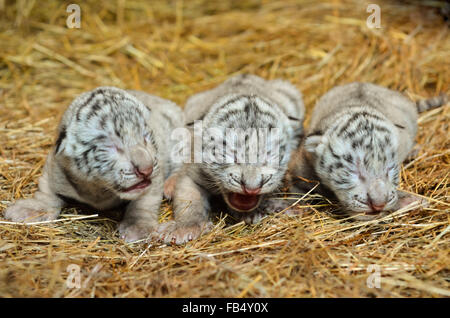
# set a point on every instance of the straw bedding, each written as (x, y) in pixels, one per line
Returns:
(174, 49)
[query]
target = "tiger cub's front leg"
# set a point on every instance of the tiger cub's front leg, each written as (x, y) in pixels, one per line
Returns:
(45, 205)
(191, 209)
(141, 216)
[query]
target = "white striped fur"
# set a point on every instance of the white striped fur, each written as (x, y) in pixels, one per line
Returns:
(109, 141)
(359, 135)
(243, 101)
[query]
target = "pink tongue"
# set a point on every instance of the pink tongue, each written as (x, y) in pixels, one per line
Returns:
(242, 201)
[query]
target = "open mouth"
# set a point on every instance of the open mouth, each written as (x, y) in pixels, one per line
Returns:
(243, 202)
(138, 186)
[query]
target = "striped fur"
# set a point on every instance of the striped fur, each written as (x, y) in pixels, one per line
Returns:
(106, 136)
(242, 102)
(359, 135)
(434, 102)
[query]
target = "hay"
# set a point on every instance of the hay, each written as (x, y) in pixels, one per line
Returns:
(174, 49)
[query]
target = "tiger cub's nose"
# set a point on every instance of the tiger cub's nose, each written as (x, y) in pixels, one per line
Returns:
(143, 172)
(142, 162)
(248, 191)
(376, 206)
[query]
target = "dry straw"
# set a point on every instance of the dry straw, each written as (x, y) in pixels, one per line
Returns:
(176, 48)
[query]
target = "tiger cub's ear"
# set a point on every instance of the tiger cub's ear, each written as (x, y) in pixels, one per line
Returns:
(60, 142)
(313, 142)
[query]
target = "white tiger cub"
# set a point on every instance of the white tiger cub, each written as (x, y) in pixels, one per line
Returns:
(359, 135)
(111, 151)
(249, 106)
